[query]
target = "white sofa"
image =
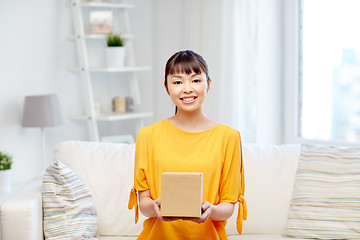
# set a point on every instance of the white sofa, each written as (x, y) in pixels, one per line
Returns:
(107, 169)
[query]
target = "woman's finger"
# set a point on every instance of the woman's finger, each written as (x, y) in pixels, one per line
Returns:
(157, 207)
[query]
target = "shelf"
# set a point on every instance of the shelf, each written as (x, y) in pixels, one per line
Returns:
(102, 36)
(86, 40)
(123, 69)
(117, 117)
(106, 5)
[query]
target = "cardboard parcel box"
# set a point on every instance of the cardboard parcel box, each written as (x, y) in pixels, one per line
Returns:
(181, 194)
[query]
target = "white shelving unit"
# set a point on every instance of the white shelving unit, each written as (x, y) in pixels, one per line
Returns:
(81, 37)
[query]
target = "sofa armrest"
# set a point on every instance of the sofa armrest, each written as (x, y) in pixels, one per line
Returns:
(21, 214)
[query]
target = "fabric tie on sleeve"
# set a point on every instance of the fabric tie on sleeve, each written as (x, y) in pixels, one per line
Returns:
(134, 202)
(242, 213)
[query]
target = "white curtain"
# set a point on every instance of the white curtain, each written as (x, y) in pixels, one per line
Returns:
(225, 33)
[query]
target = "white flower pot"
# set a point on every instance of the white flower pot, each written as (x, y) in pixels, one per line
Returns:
(5, 180)
(115, 57)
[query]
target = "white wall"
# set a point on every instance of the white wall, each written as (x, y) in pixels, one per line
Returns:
(269, 94)
(34, 56)
(33, 61)
(170, 36)
(168, 27)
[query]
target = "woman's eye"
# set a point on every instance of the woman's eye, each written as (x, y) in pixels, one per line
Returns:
(197, 81)
(177, 82)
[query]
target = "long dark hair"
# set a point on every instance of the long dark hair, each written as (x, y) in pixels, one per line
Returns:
(187, 62)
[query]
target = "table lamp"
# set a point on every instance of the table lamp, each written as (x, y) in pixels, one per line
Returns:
(42, 111)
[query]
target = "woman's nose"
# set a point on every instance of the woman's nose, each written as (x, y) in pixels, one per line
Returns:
(187, 87)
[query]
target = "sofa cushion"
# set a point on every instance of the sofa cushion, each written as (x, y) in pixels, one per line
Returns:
(68, 208)
(326, 196)
(260, 237)
(108, 171)
(269, 177)
(232, 237)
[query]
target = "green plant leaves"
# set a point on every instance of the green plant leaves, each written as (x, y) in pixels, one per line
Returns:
(114, 40)
(5, 161)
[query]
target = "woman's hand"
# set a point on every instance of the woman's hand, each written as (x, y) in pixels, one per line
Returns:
(206, 208)
(152, 208)
(219, 212)
(157, 207)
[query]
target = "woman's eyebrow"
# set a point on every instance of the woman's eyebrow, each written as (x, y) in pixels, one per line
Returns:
(179, 76)
(195, 74)
(176, 76)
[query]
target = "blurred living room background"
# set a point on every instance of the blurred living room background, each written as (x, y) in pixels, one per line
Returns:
(283, 71)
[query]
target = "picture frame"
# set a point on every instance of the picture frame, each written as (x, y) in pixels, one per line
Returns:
(101, 22)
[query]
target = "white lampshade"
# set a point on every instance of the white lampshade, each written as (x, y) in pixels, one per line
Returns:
(41, 111)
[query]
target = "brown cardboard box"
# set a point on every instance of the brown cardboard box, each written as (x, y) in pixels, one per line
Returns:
(181, 194)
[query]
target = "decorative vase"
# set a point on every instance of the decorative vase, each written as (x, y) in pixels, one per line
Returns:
(115, 57)
(5, 180)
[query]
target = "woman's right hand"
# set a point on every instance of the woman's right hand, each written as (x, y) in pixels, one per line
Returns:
(157, 207)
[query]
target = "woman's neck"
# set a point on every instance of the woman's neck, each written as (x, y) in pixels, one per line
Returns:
(192, 121)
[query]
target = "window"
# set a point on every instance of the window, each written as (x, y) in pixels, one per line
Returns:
(327, 69)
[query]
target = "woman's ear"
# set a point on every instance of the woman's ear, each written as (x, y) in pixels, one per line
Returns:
(209, 83)
(165, 85)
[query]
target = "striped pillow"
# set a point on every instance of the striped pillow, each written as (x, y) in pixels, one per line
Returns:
(325, 202)
(68, 208)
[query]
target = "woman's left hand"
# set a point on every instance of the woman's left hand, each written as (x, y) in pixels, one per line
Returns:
(206, 208)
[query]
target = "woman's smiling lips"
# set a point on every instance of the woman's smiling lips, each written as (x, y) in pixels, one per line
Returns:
(189, 99)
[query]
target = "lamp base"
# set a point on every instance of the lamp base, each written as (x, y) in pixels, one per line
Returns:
(43, 153)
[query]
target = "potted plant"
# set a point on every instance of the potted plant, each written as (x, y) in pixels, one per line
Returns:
(5, 172)
(115, 51)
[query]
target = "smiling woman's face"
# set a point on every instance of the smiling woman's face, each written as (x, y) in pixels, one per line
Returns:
(187, 91)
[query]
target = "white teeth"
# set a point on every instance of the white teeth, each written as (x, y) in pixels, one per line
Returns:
(188, 99)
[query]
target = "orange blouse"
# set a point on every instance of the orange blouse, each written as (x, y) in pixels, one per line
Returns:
(216, 152)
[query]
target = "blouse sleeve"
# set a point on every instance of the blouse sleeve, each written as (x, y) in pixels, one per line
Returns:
(141, 161)
(232, 182)
(140, 172)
